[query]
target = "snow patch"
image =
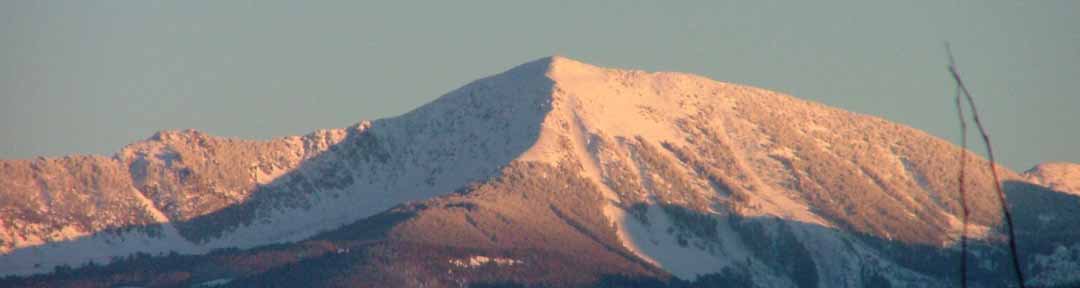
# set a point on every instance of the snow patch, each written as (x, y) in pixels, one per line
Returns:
(213, 283)
(655, 243)
(477, 261)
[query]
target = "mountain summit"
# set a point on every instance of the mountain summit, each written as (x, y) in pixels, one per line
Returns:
(555, 173)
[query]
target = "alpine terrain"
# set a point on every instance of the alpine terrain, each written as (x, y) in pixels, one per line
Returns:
(555, 173)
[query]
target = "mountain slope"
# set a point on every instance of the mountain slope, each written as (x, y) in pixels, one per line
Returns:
(234, 193)
(610, 174)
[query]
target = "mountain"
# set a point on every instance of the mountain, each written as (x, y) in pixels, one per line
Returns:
(1060, 176)
(554, 173)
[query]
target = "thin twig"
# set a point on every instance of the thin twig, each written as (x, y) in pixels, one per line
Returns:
(960, 178)
(963, 193)
(993, 172)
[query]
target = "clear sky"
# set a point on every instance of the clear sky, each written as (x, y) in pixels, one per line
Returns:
(91, 76)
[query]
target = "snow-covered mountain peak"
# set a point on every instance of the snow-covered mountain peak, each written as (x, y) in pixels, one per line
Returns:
(688, 171)
(561, 67)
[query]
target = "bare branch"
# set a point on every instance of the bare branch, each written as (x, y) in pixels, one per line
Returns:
(993, 172)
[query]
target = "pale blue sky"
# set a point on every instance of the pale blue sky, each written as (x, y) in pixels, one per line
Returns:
(89, 77)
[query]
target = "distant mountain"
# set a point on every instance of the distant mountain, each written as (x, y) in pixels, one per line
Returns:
(554, 173)
(1064, 177)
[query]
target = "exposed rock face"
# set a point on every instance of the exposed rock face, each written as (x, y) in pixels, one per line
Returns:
(555, 165)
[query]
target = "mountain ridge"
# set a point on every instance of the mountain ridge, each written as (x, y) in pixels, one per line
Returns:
(662, 153)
